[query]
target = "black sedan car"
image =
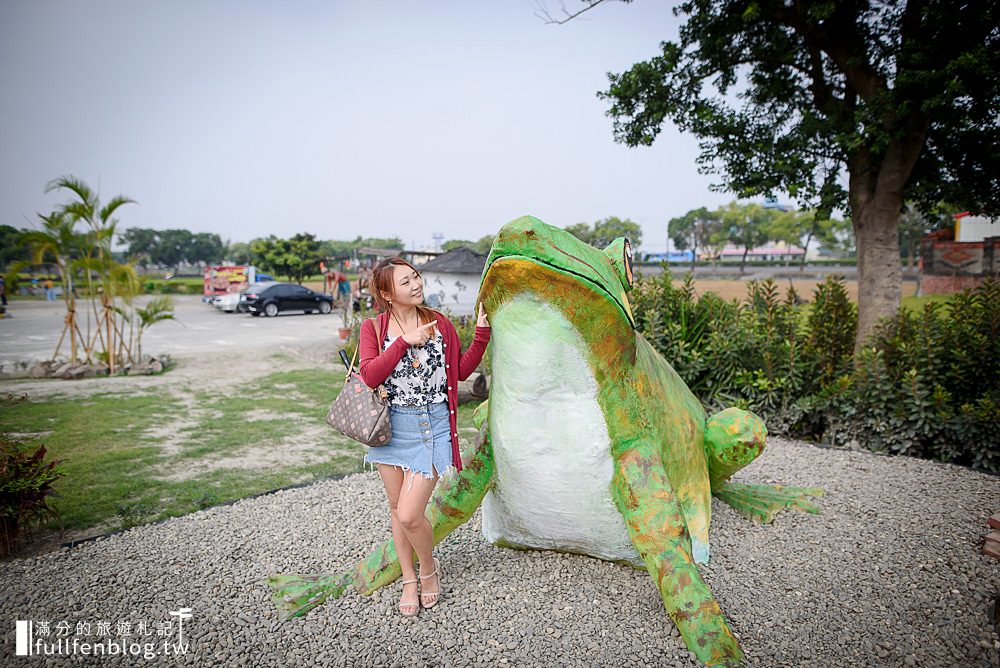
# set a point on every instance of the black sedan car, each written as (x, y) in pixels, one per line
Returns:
(277, 297)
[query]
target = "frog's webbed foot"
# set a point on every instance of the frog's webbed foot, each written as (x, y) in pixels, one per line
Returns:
(656, 525)
(762, 502)
(734, 438)
(295, 594)
(453, 502)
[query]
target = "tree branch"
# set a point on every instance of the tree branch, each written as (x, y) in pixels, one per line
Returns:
(860, 76)
(543, 12)
(823, 96)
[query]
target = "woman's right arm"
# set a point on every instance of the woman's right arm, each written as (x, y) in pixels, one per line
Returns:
(375, 366)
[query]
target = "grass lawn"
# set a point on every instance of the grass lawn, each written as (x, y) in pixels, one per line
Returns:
(118, 463)
(914, 303)
(911, 303)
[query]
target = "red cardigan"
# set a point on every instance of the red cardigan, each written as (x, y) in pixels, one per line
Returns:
(376, 365)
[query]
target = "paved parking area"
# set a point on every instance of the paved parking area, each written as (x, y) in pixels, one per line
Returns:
(35, 326)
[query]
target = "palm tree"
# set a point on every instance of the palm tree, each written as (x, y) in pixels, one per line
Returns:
(102, 227)
(56, 242)
(156, 310)
(89, 252)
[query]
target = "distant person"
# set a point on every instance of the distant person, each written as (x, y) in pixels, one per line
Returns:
(335, 276)
(344, 291)
(3, 291)
(50, 290)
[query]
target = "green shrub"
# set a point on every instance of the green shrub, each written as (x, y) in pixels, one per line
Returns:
(695, 334)
(927, 384)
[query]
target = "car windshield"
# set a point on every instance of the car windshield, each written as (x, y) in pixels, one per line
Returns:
(266, 287)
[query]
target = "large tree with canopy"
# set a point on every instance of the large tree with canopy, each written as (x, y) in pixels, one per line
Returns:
(857, 106)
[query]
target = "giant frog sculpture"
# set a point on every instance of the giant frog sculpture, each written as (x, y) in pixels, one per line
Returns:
(589, 443)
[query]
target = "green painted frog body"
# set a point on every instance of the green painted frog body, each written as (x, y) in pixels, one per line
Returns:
(590, 442)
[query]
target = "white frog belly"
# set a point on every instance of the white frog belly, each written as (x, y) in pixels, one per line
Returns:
(551, 447)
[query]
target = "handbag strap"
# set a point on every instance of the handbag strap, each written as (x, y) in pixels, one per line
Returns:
(350, 368)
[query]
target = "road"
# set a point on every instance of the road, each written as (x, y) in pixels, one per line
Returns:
(35, 326)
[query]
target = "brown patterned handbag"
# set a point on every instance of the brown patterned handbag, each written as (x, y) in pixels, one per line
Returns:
(360, 412)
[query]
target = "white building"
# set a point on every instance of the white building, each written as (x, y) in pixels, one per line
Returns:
(451, 280)
(975, 228)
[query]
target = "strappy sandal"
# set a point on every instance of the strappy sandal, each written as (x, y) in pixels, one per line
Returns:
(435, 594)
(402, 605)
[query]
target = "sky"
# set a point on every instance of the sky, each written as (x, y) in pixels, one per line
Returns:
(249, 118)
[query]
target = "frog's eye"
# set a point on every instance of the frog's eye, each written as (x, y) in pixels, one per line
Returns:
(628, 262)
(620, 252)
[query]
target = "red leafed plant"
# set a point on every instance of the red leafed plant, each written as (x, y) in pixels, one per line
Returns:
(25, 487)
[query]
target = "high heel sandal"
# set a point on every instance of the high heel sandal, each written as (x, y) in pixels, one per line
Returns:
(435, 594)
(415, 605)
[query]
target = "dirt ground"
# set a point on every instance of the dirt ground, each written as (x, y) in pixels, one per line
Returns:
(219, 372)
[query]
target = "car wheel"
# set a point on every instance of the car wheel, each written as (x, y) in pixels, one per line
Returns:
(271, 310)
(324, 307)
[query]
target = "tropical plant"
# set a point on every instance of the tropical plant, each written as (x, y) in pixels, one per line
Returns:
(157, 310)
(84, 260)
(26, 480)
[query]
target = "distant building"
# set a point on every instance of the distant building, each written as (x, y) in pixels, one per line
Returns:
(975, 228)
(953, 260)
(773, 203)
(451, 280)
(770, 251)
(414, 257)
(671, 256)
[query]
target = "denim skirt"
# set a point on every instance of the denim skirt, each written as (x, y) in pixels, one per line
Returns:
(421, 438)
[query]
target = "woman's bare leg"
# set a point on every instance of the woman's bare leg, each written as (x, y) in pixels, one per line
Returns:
(392, 478)
(411, 508)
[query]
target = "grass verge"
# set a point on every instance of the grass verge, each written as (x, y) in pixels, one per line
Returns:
(116, 457)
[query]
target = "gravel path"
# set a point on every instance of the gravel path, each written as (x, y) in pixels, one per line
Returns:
(888, 575)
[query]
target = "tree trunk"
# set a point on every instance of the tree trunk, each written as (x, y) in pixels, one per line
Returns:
(743, 263)
(475, 388)
(875, 217)
(876, 199)
(805, 251)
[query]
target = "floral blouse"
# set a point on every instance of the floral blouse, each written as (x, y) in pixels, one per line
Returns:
(411, 386)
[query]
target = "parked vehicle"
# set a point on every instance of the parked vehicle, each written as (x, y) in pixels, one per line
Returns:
(277, 297)
(230, 301)
(222, 279)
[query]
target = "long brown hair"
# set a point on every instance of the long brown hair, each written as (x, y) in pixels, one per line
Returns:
(382, 280)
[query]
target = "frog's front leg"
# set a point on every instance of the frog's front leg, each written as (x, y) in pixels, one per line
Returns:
(453, 502)
(734, 438)
(642, 493)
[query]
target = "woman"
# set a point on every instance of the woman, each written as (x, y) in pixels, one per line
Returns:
(415, 351)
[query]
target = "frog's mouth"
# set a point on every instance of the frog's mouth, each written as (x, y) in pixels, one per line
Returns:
(582, 277)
